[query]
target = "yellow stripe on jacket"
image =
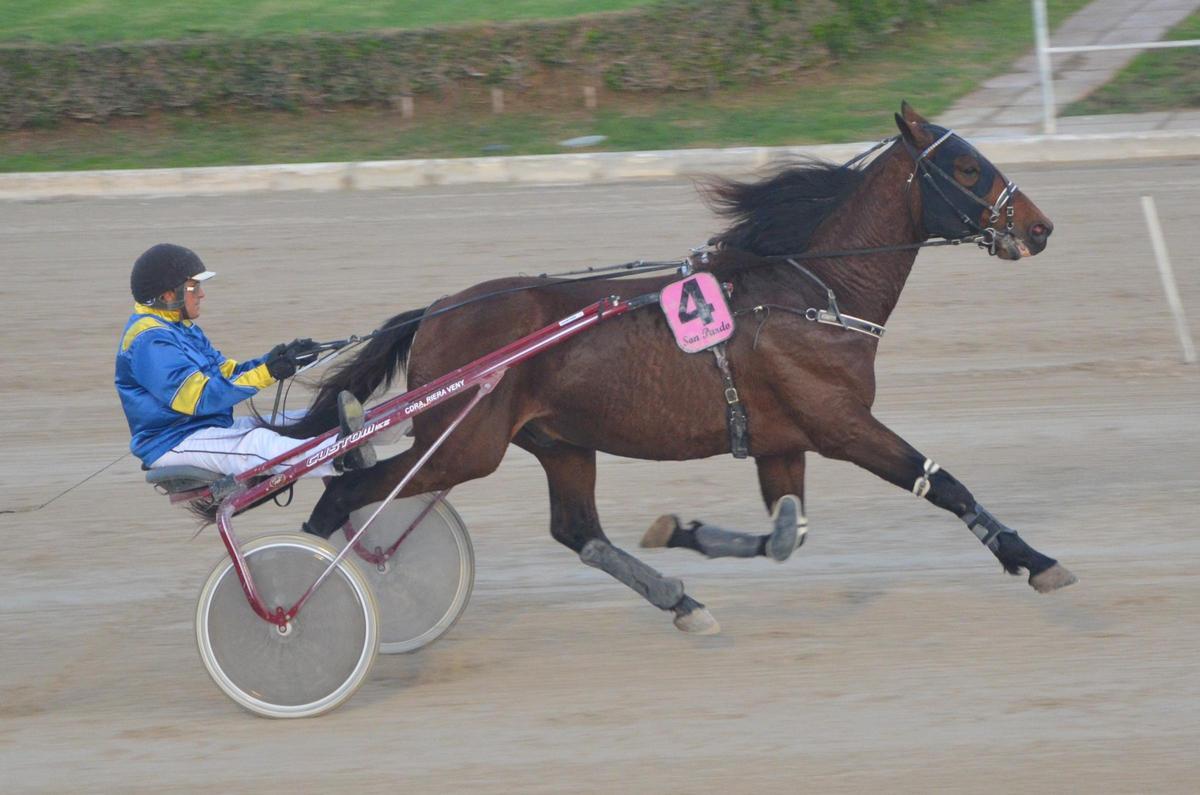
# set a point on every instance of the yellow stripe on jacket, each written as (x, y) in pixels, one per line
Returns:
(145, 324)
(227, 367)
(187, 397)
(258, 378)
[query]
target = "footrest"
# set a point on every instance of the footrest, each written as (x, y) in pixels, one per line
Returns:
(181, 478)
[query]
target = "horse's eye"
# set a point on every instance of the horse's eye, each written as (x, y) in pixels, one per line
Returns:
(966, 170)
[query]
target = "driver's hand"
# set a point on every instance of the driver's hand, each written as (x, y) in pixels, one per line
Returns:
(286, 358)
(302, 352)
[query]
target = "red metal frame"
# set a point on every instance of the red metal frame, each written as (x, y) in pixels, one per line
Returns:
(483, 375)
(380, 556)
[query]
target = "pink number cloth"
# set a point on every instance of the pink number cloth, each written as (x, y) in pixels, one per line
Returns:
(697, 312)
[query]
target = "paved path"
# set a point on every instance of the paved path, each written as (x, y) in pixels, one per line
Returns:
(1011, 103)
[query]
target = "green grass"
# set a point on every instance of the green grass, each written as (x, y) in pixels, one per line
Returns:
(1155, 80)
(931, 66)
(95, 21)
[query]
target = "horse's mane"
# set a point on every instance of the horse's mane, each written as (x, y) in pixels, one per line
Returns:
(780, 213)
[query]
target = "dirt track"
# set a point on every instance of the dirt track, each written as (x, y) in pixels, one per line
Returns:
(1051, 387)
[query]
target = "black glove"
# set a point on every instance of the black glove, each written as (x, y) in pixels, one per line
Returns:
(302, 352)
(284, 359)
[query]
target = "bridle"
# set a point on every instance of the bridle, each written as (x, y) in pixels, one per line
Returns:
(924, 165)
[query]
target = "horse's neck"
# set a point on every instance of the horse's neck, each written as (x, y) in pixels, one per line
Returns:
(877, 214)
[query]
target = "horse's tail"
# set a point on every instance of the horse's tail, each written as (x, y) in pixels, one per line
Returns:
(374, 365)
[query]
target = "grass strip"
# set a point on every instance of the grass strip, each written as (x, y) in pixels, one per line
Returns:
(1156, 80)
(104, 21)
(931, 65)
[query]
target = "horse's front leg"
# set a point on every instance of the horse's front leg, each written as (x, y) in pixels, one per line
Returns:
(865, 441)
(782, 481)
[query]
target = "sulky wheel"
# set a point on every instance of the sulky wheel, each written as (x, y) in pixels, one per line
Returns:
(423, 587)
(325, 652)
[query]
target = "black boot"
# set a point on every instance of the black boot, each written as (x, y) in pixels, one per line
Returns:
(350, 417)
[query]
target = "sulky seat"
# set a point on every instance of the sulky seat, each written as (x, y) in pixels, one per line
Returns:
(181, 478)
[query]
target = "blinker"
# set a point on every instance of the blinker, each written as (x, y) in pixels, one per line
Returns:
(942, 216)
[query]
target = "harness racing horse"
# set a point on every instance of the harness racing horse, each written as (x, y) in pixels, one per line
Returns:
(815, 242)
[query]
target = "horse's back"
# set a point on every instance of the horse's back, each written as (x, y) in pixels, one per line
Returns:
(603, 388)
(500, 311)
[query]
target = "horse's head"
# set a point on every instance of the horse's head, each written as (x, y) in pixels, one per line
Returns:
(963, 194)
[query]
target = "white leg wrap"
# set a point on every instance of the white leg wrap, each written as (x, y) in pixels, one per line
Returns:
(921, 485)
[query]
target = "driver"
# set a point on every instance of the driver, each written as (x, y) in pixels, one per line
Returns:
(178, 391)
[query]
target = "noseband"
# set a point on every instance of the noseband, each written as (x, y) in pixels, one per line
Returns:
(923, 164)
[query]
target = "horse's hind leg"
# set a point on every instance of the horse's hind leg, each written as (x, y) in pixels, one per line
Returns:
(782, 481)
(474, 450)
(865, 441)
(574, 522)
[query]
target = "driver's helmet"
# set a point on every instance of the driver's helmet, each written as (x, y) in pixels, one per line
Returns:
(165, 267)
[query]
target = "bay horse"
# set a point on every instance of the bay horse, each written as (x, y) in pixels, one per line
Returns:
(626, 388)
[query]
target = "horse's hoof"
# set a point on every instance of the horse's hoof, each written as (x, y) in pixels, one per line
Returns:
(698, 622)
(660, 532)
(1053, 578)
(782, 543)
(789, 530)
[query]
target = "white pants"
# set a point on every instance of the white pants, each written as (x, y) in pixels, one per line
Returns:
(243, 446)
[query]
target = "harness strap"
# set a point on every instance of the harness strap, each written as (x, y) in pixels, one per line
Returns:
(922, 484)
(848, 322)
(929, 149)
(834, 316)
(735, 412)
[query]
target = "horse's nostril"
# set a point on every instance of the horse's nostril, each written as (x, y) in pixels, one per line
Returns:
(1039, 232)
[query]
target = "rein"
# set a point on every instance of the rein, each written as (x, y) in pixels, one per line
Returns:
(833, 316)
(984, 237)
(631, 269)
(638, 267)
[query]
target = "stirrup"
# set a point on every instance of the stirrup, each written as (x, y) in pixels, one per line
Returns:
(350, 418)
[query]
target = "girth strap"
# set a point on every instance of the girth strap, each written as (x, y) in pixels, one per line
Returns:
(735, 412)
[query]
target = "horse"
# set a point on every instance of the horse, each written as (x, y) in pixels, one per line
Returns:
(814, 241)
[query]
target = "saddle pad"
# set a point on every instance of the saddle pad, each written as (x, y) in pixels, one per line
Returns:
(697, 312)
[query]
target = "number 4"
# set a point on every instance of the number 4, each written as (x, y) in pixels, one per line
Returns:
(703, 310)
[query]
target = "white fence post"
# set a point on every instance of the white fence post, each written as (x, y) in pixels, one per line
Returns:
(1041, 35)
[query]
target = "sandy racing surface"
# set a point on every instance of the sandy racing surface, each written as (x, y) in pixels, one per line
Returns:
(1052, 387)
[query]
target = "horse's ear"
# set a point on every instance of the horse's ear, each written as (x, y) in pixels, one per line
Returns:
(910, 115)
(913, 126)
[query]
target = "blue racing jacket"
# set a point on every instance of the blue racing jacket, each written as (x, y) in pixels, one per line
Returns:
(173, 382)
